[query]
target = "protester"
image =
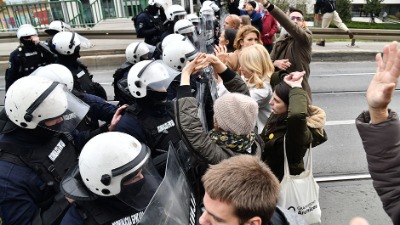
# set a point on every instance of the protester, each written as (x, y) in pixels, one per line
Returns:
(245, 20)
(110, 187)
(328, 10)
(256, 19)
(29, 55)
(379, 130)
(246, 36)
(232, 21)
(292, 116)
(256, 68)
(235, 116)
(243, 190)
(269, 28)
(292, 52)
(227, 39)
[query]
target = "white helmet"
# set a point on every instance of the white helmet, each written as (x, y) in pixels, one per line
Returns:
(156, 2)
(206, 10)
(136, 52)
(31, 101)
(108, 159)
(170, 38)
(177, 54)
(57, 26)
(26, 30)
(173, 11)
(184, 26)
(65, 43)
(193, 18)
(56, 72)
(148, 74)
(212, 5)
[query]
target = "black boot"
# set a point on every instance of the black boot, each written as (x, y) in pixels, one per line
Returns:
(321, 43)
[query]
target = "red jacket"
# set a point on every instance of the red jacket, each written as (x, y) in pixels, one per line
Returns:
(270, 27)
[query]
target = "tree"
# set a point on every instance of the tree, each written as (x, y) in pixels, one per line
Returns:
(343, 7)
(373, 7)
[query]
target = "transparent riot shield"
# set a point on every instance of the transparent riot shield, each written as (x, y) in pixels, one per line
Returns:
(207, 21)
(174, 202)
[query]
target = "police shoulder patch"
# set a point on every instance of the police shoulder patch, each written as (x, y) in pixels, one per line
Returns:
(141, 25)
(9, 65)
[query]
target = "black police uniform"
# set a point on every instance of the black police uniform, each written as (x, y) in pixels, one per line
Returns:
(24, 60)
(32, 163)
(149, 25)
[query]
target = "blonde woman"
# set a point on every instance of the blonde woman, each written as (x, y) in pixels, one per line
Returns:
(256, 69)
(246, 36)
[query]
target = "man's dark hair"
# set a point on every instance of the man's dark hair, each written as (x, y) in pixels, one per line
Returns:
(291, 9)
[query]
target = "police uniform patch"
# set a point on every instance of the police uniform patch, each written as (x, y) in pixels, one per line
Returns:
(141, 25)
(9, 65)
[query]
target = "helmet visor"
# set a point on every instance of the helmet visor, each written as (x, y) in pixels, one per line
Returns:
(72, 116)
(163, 83)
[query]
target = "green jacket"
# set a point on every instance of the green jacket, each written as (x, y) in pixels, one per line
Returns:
(298, 135)
(189, 125)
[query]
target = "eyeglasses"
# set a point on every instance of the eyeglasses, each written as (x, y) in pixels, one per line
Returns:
(296, 18)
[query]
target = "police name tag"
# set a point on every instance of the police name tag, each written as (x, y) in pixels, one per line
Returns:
(56, 151)
(165, 126)
(80, 74)
(30, 54)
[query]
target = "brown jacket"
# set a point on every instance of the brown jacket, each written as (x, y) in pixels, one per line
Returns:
(295, 47)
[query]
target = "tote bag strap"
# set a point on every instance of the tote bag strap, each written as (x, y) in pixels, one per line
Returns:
(308, 162)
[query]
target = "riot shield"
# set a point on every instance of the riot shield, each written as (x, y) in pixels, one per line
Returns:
(207, 26)
(174, 202)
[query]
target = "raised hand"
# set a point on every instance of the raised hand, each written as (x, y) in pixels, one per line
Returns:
(294, 79)
(382, 85)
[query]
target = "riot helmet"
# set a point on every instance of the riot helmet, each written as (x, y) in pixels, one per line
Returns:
(56, 72)
(35, 101)
(177, 54)
(136, 52)
(26, 30)
(57, 26)
(212, 4)
(170, 38)
(187, 29)
(122, 172)
(175, 13)
(157, 3)
(66, 43)
(149, 75)
(196, 22)
(206, 10)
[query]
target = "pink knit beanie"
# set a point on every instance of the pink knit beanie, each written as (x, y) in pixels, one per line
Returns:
(236, 113)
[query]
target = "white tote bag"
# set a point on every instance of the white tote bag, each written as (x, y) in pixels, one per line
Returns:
(299, 193)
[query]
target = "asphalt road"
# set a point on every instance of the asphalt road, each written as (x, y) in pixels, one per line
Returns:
(338, 88)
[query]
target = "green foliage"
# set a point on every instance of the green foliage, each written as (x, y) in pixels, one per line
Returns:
(363, 25)
(373, 7)
(282, 4)
(343, 7)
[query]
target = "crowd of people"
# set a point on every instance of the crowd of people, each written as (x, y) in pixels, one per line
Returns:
(235, 96)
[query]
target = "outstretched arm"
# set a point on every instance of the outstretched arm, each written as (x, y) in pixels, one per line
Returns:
(382, 85)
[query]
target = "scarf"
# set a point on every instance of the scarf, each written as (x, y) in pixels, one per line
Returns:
(235, 142)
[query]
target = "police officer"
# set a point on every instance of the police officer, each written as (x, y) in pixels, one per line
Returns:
(149, 23)
(135, 52)
(36, 150)
(67, 46)
(173, 14)
(99, 108)
(29, 55)
(150, 118)
(110, 187)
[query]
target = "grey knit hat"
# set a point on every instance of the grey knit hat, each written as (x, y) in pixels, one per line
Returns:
(236, 113)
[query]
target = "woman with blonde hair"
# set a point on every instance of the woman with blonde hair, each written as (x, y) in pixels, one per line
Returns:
(246, 36)
(256, 69)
